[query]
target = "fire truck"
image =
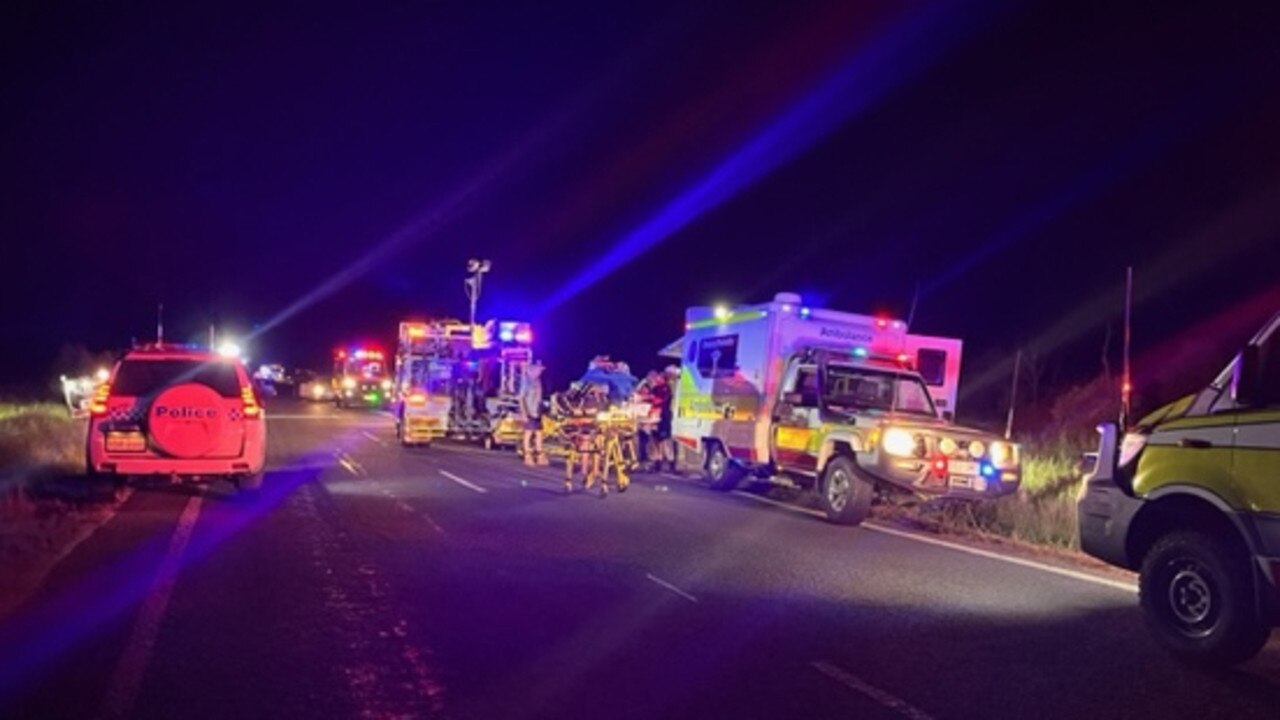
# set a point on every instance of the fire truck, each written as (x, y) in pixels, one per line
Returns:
(460, 381)
(360, 377)
(851, 406)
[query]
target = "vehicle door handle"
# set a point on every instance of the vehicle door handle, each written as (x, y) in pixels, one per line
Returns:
(1194, 443)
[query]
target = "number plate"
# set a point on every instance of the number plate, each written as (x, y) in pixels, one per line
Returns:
(963, 467)
(126, 442)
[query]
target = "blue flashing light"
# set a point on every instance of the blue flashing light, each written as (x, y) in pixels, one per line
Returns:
(988, 470)
(506, 334)
(804, 312)
(860, 352)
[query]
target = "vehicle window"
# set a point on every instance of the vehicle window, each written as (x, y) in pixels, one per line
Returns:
(858, 388)
(807, 385)
(718, 356)
(137, 378)
(932, 366)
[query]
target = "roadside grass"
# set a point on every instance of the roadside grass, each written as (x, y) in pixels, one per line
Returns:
(46, 505)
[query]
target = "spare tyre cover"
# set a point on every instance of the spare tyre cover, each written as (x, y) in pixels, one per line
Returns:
(186, 420)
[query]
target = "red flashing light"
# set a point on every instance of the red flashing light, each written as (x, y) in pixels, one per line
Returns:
(882, 323)
(904, 358)
(524, 337)
(342, 354)
(940, 466)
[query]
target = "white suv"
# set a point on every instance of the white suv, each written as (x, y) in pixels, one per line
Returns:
(172, 410)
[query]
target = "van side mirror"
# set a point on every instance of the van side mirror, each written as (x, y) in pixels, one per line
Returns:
(1249, 385)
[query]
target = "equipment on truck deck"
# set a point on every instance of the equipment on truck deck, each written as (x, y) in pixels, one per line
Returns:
(850, 405)
(455, 380)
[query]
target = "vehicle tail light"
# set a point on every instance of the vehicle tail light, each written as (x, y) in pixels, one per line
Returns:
(251, 407)
(98, 405)
(418, 399)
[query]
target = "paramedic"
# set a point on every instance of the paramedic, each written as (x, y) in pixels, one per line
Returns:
(531, 415)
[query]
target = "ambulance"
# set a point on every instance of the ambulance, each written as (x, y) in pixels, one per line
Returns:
(851, 406)
(1190, 498)
(459, 381)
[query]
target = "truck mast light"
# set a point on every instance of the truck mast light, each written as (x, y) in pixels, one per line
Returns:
(722, 312)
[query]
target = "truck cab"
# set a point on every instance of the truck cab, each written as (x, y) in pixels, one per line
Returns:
(830, 401)
(1190, 498)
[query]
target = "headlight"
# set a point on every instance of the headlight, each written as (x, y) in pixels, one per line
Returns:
(317, 390)
(1002, 454)
(899, 442)
(348, 383)
(947, 446)
(1130, 447)
(977, 449)
(386, 384)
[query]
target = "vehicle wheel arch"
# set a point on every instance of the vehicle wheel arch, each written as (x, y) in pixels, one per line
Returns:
(1176, 507)
(838, 444)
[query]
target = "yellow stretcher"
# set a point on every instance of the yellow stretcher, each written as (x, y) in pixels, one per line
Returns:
(595, 445)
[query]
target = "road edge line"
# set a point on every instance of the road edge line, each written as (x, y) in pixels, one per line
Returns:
(884, 698)
(131, 668)
(464, 483)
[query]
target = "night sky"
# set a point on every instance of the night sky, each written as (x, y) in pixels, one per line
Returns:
(321, 173)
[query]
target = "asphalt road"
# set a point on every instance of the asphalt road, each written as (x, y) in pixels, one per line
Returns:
(371, 581)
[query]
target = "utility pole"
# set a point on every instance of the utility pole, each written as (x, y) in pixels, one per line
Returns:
(1126, 381)
(477, 268)
(1013, 396)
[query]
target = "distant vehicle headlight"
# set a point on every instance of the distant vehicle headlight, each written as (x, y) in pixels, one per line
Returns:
(349, 383)
(899, 442)
(386, 384)
(317, 390)
(1002, 454)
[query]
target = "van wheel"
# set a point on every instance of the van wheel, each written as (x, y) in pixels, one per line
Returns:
(721, 471)
(1197, 593)
(844, 493)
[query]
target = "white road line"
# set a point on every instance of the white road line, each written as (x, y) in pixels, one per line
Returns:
(659, 581)
(132, 667)
(888, 700)
(990, 555)
(433, 523)
(464, 483)
(351, 466)
(1065, 572)
(374, 438)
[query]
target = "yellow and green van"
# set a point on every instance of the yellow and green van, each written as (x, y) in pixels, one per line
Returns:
(1190, 498)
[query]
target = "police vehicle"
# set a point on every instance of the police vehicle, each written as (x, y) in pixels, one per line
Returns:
(177, 411)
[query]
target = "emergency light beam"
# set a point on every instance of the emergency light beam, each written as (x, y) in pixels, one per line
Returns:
(1249, 222)
(489, 177)
(1210, 103)
(909, 47)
